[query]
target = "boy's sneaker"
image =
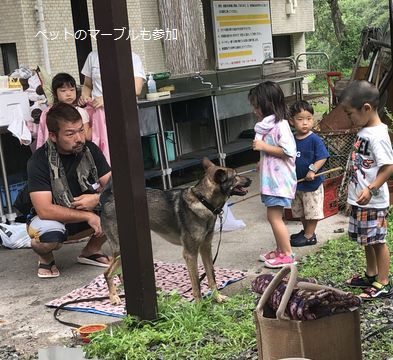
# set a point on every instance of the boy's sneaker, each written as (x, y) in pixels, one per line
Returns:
(301, 240)
(377, 291)
(269, 255)
(294, 236)
(280, 261)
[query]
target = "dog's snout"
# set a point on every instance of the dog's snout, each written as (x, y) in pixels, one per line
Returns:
(248, 181)
(245, 181)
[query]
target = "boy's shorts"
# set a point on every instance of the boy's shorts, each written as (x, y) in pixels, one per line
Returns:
(50, 231)
(368, 226)
(309, 204)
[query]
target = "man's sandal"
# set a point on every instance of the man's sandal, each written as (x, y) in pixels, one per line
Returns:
(53, 274)
(93, 260)
(377, 291)
(361, 281)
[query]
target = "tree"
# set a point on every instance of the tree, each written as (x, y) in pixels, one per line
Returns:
(338, 24)
(187, 53)
(338, 28)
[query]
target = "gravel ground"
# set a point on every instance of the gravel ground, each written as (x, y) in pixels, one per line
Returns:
(251, 354)
(10, 353)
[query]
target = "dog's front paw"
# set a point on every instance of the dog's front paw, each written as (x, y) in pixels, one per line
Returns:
(115, 299)
(220, 298)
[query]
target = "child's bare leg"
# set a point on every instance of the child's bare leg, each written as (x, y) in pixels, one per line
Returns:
(371, 261)
(303, 220)
(309, 228)
(280, 231)
(383, 262)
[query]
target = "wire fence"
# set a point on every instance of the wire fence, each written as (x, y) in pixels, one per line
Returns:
(339, 145)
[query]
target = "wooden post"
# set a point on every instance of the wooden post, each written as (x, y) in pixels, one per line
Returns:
(80, 20)
(126, 156)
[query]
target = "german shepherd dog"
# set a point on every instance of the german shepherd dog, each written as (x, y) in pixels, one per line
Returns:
(183, 217)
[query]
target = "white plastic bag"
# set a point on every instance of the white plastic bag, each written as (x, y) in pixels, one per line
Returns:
(229, 221)
(15, 236)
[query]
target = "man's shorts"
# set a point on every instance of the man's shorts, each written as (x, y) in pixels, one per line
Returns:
(368, 226)
(309, 204)
(49, 231)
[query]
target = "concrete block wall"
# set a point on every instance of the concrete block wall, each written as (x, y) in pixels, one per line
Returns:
(301, 21)
(18, 24)
(153, 50)
(12, 29)
(33, 49)
(60, 30)
(142, 15)
(299, 46)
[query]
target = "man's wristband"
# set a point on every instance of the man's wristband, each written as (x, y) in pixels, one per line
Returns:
(312, 168)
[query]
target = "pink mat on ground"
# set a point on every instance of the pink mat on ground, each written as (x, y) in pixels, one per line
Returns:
(169, 277)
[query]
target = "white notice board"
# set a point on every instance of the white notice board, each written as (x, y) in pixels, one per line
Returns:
(242, 33)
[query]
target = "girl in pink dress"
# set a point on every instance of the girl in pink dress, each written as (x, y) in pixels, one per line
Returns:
(63, 90)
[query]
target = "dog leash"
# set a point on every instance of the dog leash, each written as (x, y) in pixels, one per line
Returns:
(215, 256)
(215, 211)
(63, 305)
(299, 181)
(74, 325)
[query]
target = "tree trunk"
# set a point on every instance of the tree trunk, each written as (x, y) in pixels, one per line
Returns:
(338, 24)
(187, 54)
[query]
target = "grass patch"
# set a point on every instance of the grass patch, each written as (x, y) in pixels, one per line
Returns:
(223, 331)
(185, 331)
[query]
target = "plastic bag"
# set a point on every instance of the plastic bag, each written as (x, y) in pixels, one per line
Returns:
(229, 221)
(15, 236)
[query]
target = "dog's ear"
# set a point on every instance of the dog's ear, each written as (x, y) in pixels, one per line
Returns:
(206, 163)
(220, 176)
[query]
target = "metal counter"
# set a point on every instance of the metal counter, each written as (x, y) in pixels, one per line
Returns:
(227, 101)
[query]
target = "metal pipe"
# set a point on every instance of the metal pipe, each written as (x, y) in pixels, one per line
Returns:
(176, 135)
(217, 126)
(9, 215)
(289, 59)
(42, 27)
(167, 169)
(307, 53)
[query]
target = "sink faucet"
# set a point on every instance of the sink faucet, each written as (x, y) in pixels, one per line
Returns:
(200, 77)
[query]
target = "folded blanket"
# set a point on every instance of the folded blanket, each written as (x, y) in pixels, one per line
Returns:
(306, 304)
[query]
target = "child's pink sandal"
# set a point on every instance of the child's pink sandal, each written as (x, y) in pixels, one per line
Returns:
(269, 255)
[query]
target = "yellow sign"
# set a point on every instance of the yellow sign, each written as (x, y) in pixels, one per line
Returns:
(242, 33)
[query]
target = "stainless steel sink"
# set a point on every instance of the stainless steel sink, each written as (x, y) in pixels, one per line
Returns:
(239, 85)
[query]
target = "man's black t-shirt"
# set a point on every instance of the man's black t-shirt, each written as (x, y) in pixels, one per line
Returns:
(39, 175)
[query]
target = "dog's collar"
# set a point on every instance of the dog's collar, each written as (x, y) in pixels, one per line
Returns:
(202, 199)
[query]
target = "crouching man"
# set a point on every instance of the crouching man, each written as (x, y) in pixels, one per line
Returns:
(65, 176)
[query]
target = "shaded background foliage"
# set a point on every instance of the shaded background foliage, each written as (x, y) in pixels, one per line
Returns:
(343, 47)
